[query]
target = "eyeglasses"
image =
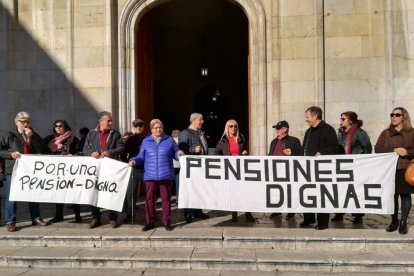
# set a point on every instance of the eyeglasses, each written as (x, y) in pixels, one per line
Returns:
(342, 119)
(395, 114)
(232, 126)
(58, 126)
(24, 121)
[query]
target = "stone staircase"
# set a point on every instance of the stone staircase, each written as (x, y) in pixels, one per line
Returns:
(254, 250)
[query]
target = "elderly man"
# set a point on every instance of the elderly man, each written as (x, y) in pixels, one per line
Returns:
(192, 142)
(132, 147)
(20, 140)
(284, 145)
(320, 139)
(101, 142)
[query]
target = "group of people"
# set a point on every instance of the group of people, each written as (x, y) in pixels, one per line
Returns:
(151, 158)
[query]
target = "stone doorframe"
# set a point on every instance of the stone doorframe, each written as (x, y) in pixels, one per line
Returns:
(132, 13)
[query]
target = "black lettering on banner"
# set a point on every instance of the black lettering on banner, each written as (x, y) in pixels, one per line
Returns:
(92, 170)
(289, 195)
(266, 170)
(89, 183)
(192, 162)
(38, 166)
(350, 173)
(351, 194)
(50, 168)
(24, 180)
(286, 169)
(210, 165)
(332, 198)
(377, 199)
(311, 198)
(319, 172)
(269, 188)
(247, 162)
(228, 166)
(298, 167)
(49, 185)
(61, 169)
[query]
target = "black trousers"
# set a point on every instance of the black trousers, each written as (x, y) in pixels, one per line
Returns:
(322, 218)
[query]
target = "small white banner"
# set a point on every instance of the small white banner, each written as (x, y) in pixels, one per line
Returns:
(70, 179)
(292, 184)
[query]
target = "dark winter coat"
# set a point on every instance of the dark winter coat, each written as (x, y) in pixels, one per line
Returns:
(223, 146)
(13, 141)
(114, 144)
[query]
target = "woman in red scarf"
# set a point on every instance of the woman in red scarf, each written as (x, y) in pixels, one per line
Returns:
(62, 142)
(354, 141)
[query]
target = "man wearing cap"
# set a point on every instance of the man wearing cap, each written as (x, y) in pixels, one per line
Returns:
(284, 145)
(192, 142)
(20, 140)
(103, 141)
(320, 139)
(132, 148)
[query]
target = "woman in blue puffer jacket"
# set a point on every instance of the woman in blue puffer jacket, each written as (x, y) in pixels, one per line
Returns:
(157, 152)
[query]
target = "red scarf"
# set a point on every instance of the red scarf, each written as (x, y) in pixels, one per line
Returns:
(348, 145)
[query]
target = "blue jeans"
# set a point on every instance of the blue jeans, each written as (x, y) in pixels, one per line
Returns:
(10, 210)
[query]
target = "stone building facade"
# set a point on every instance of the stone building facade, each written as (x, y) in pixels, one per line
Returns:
(73, 58)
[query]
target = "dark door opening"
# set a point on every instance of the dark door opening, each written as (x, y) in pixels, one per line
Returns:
(175, 40)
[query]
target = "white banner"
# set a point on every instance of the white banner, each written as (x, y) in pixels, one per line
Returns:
(292, 184)
(70, 179)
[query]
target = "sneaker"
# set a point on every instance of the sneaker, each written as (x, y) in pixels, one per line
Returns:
(94, 223)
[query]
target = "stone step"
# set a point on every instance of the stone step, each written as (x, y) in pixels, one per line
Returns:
(168, 272)
(201, 258)
(364, 240)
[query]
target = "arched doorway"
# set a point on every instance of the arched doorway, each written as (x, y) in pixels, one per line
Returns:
(192, 56)
(134, 11)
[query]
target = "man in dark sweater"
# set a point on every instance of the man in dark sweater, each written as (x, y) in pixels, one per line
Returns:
(284, 145)
(320, 139)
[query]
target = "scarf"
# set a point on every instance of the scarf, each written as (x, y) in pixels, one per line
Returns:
(56, 143)
(348, 145)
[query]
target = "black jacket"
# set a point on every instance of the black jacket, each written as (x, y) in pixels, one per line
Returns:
(291, 142)
(114, 144)
(13, 141)
(223, 146)
(188, 140)
(322, 139)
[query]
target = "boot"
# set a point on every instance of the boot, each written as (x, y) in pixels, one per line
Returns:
(249, 217)
(234, 217)
(393, 226)
(403, 227)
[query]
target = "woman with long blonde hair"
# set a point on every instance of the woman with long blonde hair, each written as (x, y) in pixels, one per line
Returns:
(233, 143)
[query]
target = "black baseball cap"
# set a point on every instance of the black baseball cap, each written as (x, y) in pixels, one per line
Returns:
(138, 123)
(281, 124)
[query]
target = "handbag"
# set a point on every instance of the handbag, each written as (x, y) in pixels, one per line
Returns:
(409, 174)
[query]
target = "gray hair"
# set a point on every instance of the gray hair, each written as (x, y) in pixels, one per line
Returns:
(315, 111)
(104, 113)
(195, 116)
(22, 115)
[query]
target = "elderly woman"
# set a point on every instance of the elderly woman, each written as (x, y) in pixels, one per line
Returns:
(63, 142)
(233, 143)
(157, 152)
(399, 138)
(354, 140)
(21, 140)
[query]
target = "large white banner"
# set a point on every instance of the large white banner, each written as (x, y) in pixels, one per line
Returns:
(70, 179)
(295, 184)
